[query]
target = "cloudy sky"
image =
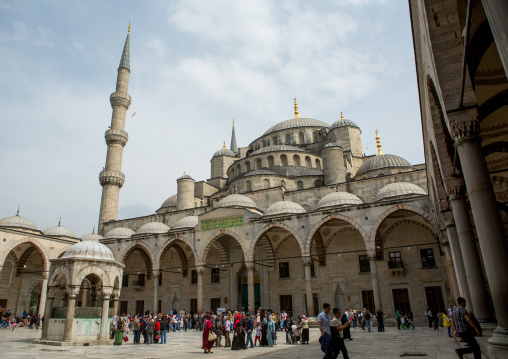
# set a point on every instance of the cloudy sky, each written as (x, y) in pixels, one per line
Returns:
(195, 64)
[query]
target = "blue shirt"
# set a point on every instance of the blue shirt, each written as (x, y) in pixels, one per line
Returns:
(325, 322)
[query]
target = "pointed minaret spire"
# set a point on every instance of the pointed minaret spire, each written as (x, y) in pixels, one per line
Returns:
(233, 146)
(378, 144)
(125, 61)
(296, 110)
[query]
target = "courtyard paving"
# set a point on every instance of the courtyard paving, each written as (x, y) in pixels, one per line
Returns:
(388, 345)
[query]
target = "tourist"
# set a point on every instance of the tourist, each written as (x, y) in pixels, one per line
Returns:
(264, 333)
(367, 320)
(476, 323)
(227, 330)
(398, 318)
(410, 320)
(238, 336)
(37, 322)
(164, 329)
(14, 324)
(136, 326)
(150, 330)
(435, 320)
(380, 316)
(447, 323)
(271, 335)
(403, 321)
(207, 326)
(324, 327)
(218, 331)
(288, 323)
(363, 318)
(304, 325)
(428, 313)
(337, 344)
(249, 328)
(346, 332)
(258, 334)
(460, 321)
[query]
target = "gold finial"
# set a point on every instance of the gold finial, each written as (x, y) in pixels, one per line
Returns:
(184, 173)
(378, 144)
(129, 31)
(224, 146)
(296, 110)
(341, 116)
(233, 122)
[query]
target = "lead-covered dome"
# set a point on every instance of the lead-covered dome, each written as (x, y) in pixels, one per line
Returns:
(89, 250)
(338, 199)
(153, 228)
(224, 152)
(343, 122)
(383, 161)
(399, 189)
(277, 148)
(120, 232)
(296, 122)
(170, 202)
(92, 237)
(17, 221)
(59, 231)
(236, 200)
(284, 207)
(187, 222)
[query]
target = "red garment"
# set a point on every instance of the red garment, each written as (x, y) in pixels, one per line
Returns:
(157, 325)
(238, 319)
(206, 330)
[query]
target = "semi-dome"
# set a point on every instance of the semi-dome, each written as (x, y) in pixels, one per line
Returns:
(154, 227)
(17, 221)
(338, 199)
(399, 189)
(261, 172)
(89, 250)
(92, 237)
(277, 148)
(284, 207)
(236, 200)
(170, 202)
(120, 232)
(224, 152)
(185, 176)
(332, 144)
(296, 122)
(59, 231)
(187, 222)
(382, 161)
(343, 122)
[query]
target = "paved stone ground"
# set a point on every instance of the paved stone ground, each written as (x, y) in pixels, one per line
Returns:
(388, 345)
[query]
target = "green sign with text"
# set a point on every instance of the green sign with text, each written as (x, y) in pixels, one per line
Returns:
(221, 223)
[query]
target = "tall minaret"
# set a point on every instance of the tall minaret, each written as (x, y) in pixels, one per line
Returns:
(233, 146)
(111, 178)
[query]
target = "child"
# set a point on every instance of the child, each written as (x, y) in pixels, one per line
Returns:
(403, 322)
(258, 335)
(14, 324)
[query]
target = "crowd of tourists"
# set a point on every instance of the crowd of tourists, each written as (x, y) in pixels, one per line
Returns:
(30, 321)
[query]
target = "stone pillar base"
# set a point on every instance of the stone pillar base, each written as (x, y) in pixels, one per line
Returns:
(500, 337)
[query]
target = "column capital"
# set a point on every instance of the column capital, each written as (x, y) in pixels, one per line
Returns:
(307, 260)
(465, 125)
(72, 291)
(250, 265)
(200, 270)
(448, 218)
(455, 190)
(156, 273)
(45, 275)
(107, 292)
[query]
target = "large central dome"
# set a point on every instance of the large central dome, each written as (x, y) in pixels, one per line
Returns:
(296, 122)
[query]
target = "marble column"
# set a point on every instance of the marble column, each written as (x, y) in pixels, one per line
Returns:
(104, 333)
(47, 312)
(375, 282)
(155, 308)
(69, 316)
(42, 300)
(200, 271)
(250, 287)
(307, 262)
(84, 296)
(115, 306)
(451, 272)
(497, 13)
(489, 226)
(479, 299)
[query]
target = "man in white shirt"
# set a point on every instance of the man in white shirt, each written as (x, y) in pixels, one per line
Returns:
(337, 335)
(227, 326)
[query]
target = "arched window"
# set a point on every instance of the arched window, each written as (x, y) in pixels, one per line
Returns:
(275, 140)
(299, 185)
(288, 138)
(268, 142)
(248, 186)
(283, 160)
(301, 138)
(317, 184)
(258, 164)
(296, 160)
(266, 183)
(238, 170)
(314, 136)
(283, 184)
(6, 274)
(318, 164)
(270, 161)
(264, 143)
(308, 161)
(247, 166)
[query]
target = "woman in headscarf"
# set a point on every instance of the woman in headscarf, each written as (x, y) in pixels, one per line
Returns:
(304, 324)
(264, 328)
(207, 326)
(270, 332)
(238, 336)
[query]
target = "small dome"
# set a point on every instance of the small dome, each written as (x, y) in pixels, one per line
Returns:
(261, 173)
(236, 200)
(170, 202)
(154, 227)
(284, 207)
(17, 221)
(276, 148)
(92, 237)
(399, 189)
(224, 152)
(59, 231)
(185, 176)
(89, 250)
(120, 232)
(343, 122)
(332, 144)
(338, 199)
(382, 161)
(296, 122)
(187, 222)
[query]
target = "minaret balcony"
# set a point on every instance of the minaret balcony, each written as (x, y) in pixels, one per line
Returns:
(109, 177)
(116, 136)
(120, 98)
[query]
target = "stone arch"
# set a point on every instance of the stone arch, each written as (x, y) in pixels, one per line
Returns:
(221, 250)
(97, 271)
(336, 234)
(341, 217)
(145, 253)
(260, 233)
(412, 222)
(181, 254)
(60, 273)
(34, 242)
(27, 253)
(36, 287)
